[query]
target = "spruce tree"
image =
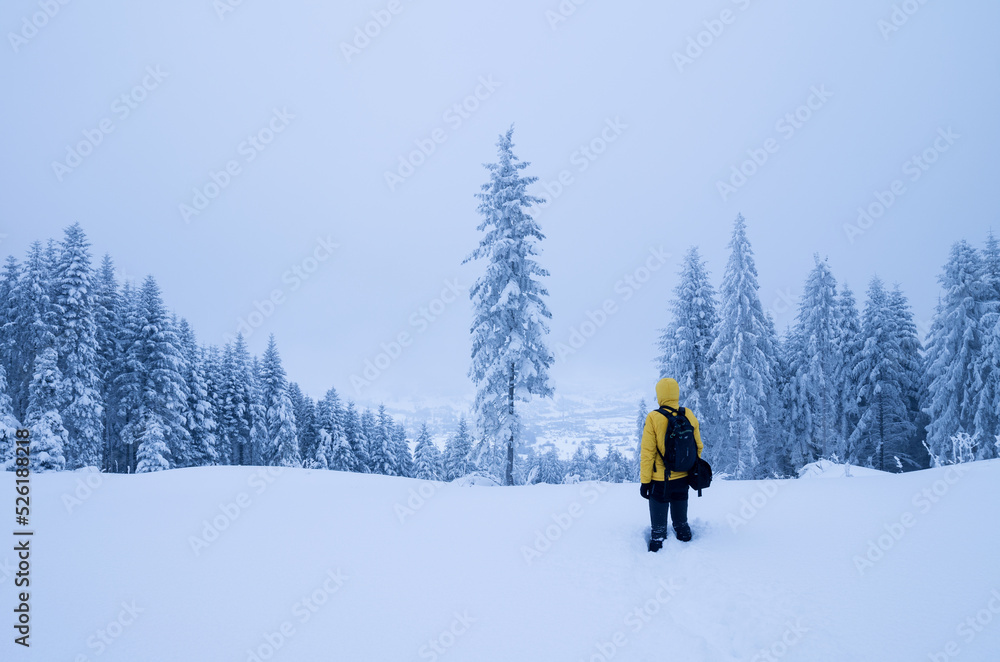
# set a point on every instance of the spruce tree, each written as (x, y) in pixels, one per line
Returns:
(510, 361)
(849, 348)
(8, 425)
(199, 413)
(954, 349)
(74, 305)
(742, 357)
(107, 310)
(685, 343)
(380, 444)
(458, 452)
(426, 457)
(401, 452)
(281, 447)
(48, 435)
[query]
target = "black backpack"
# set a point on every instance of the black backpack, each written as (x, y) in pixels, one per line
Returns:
(681, 450)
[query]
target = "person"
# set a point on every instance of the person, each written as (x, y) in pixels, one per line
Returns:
(664, 492)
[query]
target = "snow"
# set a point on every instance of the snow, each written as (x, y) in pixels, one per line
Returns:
(828, 469)
(397, 563)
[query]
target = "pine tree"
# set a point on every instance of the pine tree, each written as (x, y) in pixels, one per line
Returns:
(9, 317)
(73, 298)
(152, 381)
(849, 346)
(640, 424)
(330, 417)
(401, 452)
(510, 361)
(742, 357)
(883, 426)
(685, 343)
(33, 327)
(107, 311)
(357, 440)
(154, 450)
(551, 469)
(380, 444)
(127, 382)
(954, 349)
(817, 361)
(427, 459)
(282, 444)
(305, 423)
(8, 425)
(48, 434)
(199, 414)
(614, 468)
(458, 452)
(236, 417)
(912, 380)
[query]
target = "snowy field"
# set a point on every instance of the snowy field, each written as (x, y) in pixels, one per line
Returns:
(231, 563)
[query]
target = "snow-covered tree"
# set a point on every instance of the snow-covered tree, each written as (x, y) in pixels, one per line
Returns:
(742, 357)
(33, 326)
(510, 360)
(884, 426)
(614, 468)
(380, 444)
(402, 457)
(685, 343)
(458, 452)
(107, 308)
(816, 362)
(954, 350)
(8, 425)
(282, 445)
(236, 418)
(305, 423)
(48, 434)
(849, 346)
(330, 417)
(154, 451)
(199, 414)
(427, 460)
(73, 298)
(357, 439)
(640, 424)
(9, 318)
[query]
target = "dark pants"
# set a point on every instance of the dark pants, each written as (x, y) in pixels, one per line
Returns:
(672, 495)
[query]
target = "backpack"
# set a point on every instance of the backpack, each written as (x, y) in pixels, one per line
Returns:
(680, 448)
(700, 475)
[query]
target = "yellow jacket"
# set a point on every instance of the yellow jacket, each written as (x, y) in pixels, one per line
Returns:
(655, 430)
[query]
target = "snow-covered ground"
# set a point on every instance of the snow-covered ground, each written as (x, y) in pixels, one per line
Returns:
(240, 564)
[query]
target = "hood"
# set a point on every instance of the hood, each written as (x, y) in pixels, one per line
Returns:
(668, 393)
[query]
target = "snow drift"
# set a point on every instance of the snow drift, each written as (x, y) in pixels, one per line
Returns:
(247, 564)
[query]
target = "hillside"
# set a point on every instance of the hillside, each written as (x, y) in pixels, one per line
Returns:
(360, 567)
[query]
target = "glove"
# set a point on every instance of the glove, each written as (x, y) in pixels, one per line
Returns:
(645, 489)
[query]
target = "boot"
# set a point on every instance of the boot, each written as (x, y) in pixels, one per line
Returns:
(678, 515)
(655, 544)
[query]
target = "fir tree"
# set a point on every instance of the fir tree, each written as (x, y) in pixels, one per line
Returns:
(684, 345)
(48, 434)
(357, 439)
(305, 422)
(742, 357)
(73, 296)
(8, 425)
(849, 347)
(154, 450)
(954, 350)
(510, 361)
(458, 452)
(401, 452)
(380, 444)
(34, 325)
(883, 426)
(107, 311)
(330, 417)
(10, 351)
(816, 362)
(199, 414)
(281, 445)
(427, 458)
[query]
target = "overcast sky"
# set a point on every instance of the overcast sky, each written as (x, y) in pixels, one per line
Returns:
(662, 133)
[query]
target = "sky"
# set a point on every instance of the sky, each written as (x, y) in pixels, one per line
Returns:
(239, 151)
